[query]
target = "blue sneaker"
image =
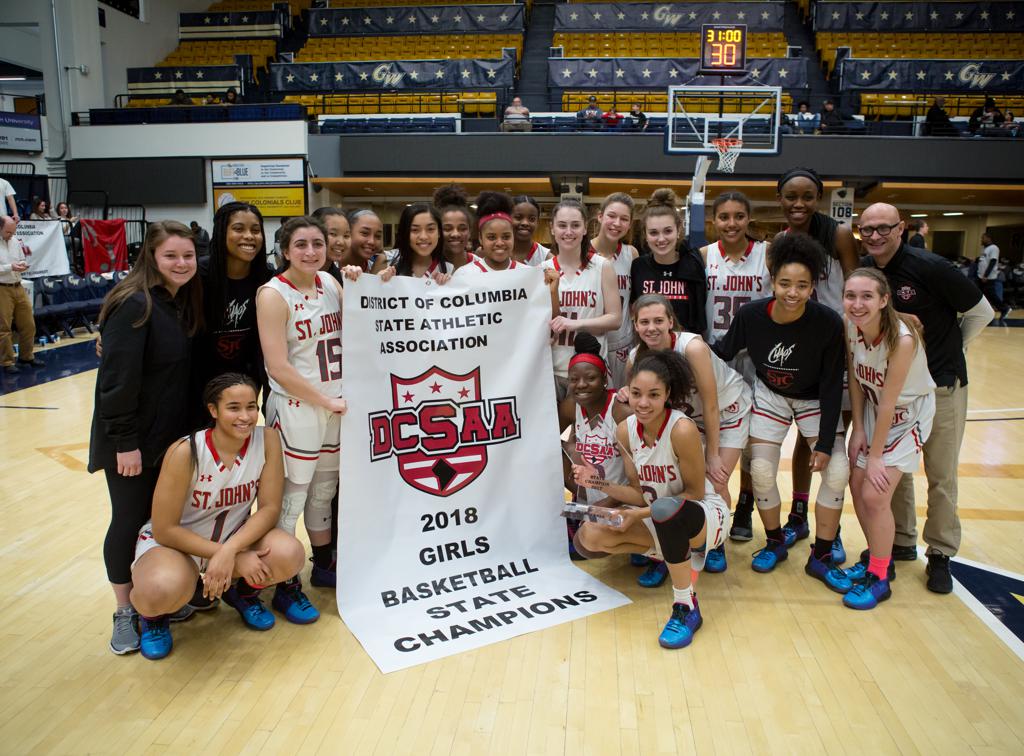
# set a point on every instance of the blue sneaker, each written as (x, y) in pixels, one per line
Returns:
(293, 604)
(654, 575)
(833, 577)
(765, 559)
(324, 577)
(155, 637)
(253, 611)
(859, 571)
(867, 594)
(795, 530)
(838, 552)
(681, 626)
(639, 560)
(715, 561)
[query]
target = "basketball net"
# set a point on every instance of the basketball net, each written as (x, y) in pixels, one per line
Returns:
(728, 153)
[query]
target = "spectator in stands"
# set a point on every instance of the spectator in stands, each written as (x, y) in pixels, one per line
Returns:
(936, 121)
(1010, 124)
(637, 118)
(831, 121)
(15, 309)
(590, 115)
(988, 275)
(202, 239)
(67, 218)
(230, 97)
(517, 117)
(180, 98)
(41, 210)
(918, 230)
(984, 117)
(803, 121)
(612, 118)
(7, 192)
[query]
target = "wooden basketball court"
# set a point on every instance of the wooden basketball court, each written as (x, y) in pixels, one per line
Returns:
(780, 665)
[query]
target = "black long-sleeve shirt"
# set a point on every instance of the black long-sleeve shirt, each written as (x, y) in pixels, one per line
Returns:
(800, 360)
(930, 287)
(683, 283)
(142, 383)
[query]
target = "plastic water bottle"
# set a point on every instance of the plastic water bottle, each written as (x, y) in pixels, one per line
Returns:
(576, 511)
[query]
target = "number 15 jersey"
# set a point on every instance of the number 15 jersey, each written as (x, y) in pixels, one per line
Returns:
(313, 333)
(731, 284)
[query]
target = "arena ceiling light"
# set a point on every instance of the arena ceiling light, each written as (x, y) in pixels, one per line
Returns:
(919, 215)
(950, 215)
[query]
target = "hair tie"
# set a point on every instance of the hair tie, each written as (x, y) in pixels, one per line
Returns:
(593, 359)
(494, 216)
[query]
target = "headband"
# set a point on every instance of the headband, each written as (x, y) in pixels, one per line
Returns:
(791, 174)
(593, 359)
(494, 216)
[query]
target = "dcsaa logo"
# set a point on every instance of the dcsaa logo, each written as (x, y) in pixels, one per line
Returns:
(383, 75)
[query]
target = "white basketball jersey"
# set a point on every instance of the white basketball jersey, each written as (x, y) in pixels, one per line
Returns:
(871, 361)
(538, 254)
(223, 491)
(581, 298)
(657, 467)
(829, 289)
(622, 262)
(597, 445)
(728, 383)
(478, 266)
(443, 265)
(733, 283)
(313, 333)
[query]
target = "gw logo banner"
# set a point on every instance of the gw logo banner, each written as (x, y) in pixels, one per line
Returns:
(385, 76)
(972, 76)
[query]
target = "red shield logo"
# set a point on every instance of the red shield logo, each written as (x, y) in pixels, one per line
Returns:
(439, 429)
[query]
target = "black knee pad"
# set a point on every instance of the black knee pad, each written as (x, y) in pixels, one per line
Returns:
(676, 521)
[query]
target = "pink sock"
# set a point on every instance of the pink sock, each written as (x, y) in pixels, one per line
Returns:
(879, 566)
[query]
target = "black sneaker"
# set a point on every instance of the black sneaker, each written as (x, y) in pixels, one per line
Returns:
(742, 525)
(939, 579)
(899, 554)
(199, 602)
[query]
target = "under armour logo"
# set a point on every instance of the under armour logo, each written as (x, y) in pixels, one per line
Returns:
(293, 403)
(206, 479)
(299, 306)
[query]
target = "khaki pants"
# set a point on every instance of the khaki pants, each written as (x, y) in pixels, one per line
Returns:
(941, 457)
(15, 312)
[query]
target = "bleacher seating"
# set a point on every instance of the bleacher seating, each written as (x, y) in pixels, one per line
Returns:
(391, 125)
(241, 5)
(361, 3)
(894, 104)
(468, 103)
(408, 47)
(657, 45)
(220, 52)
(649, 100)
(967, 45)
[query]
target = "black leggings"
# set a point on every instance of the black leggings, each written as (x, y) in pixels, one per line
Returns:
(131, 503)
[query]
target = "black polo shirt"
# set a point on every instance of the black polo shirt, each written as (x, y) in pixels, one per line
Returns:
(928, 286)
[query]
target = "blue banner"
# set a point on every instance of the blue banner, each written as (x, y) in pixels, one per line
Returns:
(421, 19)
(935, 17)
(981, 76)
(654, 17)
(192, 79)
(235, 25)
(389, 75)
(20, 132)
(604, 73)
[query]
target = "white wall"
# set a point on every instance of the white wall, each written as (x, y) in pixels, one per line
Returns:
(131, 43)
(232, 139)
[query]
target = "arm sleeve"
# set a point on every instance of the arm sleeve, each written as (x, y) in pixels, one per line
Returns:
(830, 386)
(975, 320)
(120, 375)
(735, 339)
(991, 261)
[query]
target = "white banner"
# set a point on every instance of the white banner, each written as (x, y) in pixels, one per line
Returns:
(451, 479)
(47, 255)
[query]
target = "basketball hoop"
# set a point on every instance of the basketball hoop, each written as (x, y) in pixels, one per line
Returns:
(728, 153)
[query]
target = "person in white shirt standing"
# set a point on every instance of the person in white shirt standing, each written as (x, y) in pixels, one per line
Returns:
(15, 307)
(7, 192)
(988, 275)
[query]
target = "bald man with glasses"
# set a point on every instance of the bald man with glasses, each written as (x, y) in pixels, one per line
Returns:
(952, 311)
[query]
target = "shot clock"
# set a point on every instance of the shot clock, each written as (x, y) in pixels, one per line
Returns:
(723, 49)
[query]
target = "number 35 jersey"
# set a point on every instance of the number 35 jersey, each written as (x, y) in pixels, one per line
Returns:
(313, 333)
(731, 284)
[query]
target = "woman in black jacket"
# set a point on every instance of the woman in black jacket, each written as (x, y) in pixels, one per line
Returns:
(147, 323)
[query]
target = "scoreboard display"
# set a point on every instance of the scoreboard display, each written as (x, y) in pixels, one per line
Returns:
(723, 49)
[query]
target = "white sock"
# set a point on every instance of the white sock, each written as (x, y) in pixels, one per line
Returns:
(683, 595)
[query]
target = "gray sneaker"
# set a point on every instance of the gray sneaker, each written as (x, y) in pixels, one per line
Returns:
(182, 614)
(125, 639)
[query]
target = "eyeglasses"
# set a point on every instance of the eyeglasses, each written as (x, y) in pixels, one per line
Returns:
(867, 232)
